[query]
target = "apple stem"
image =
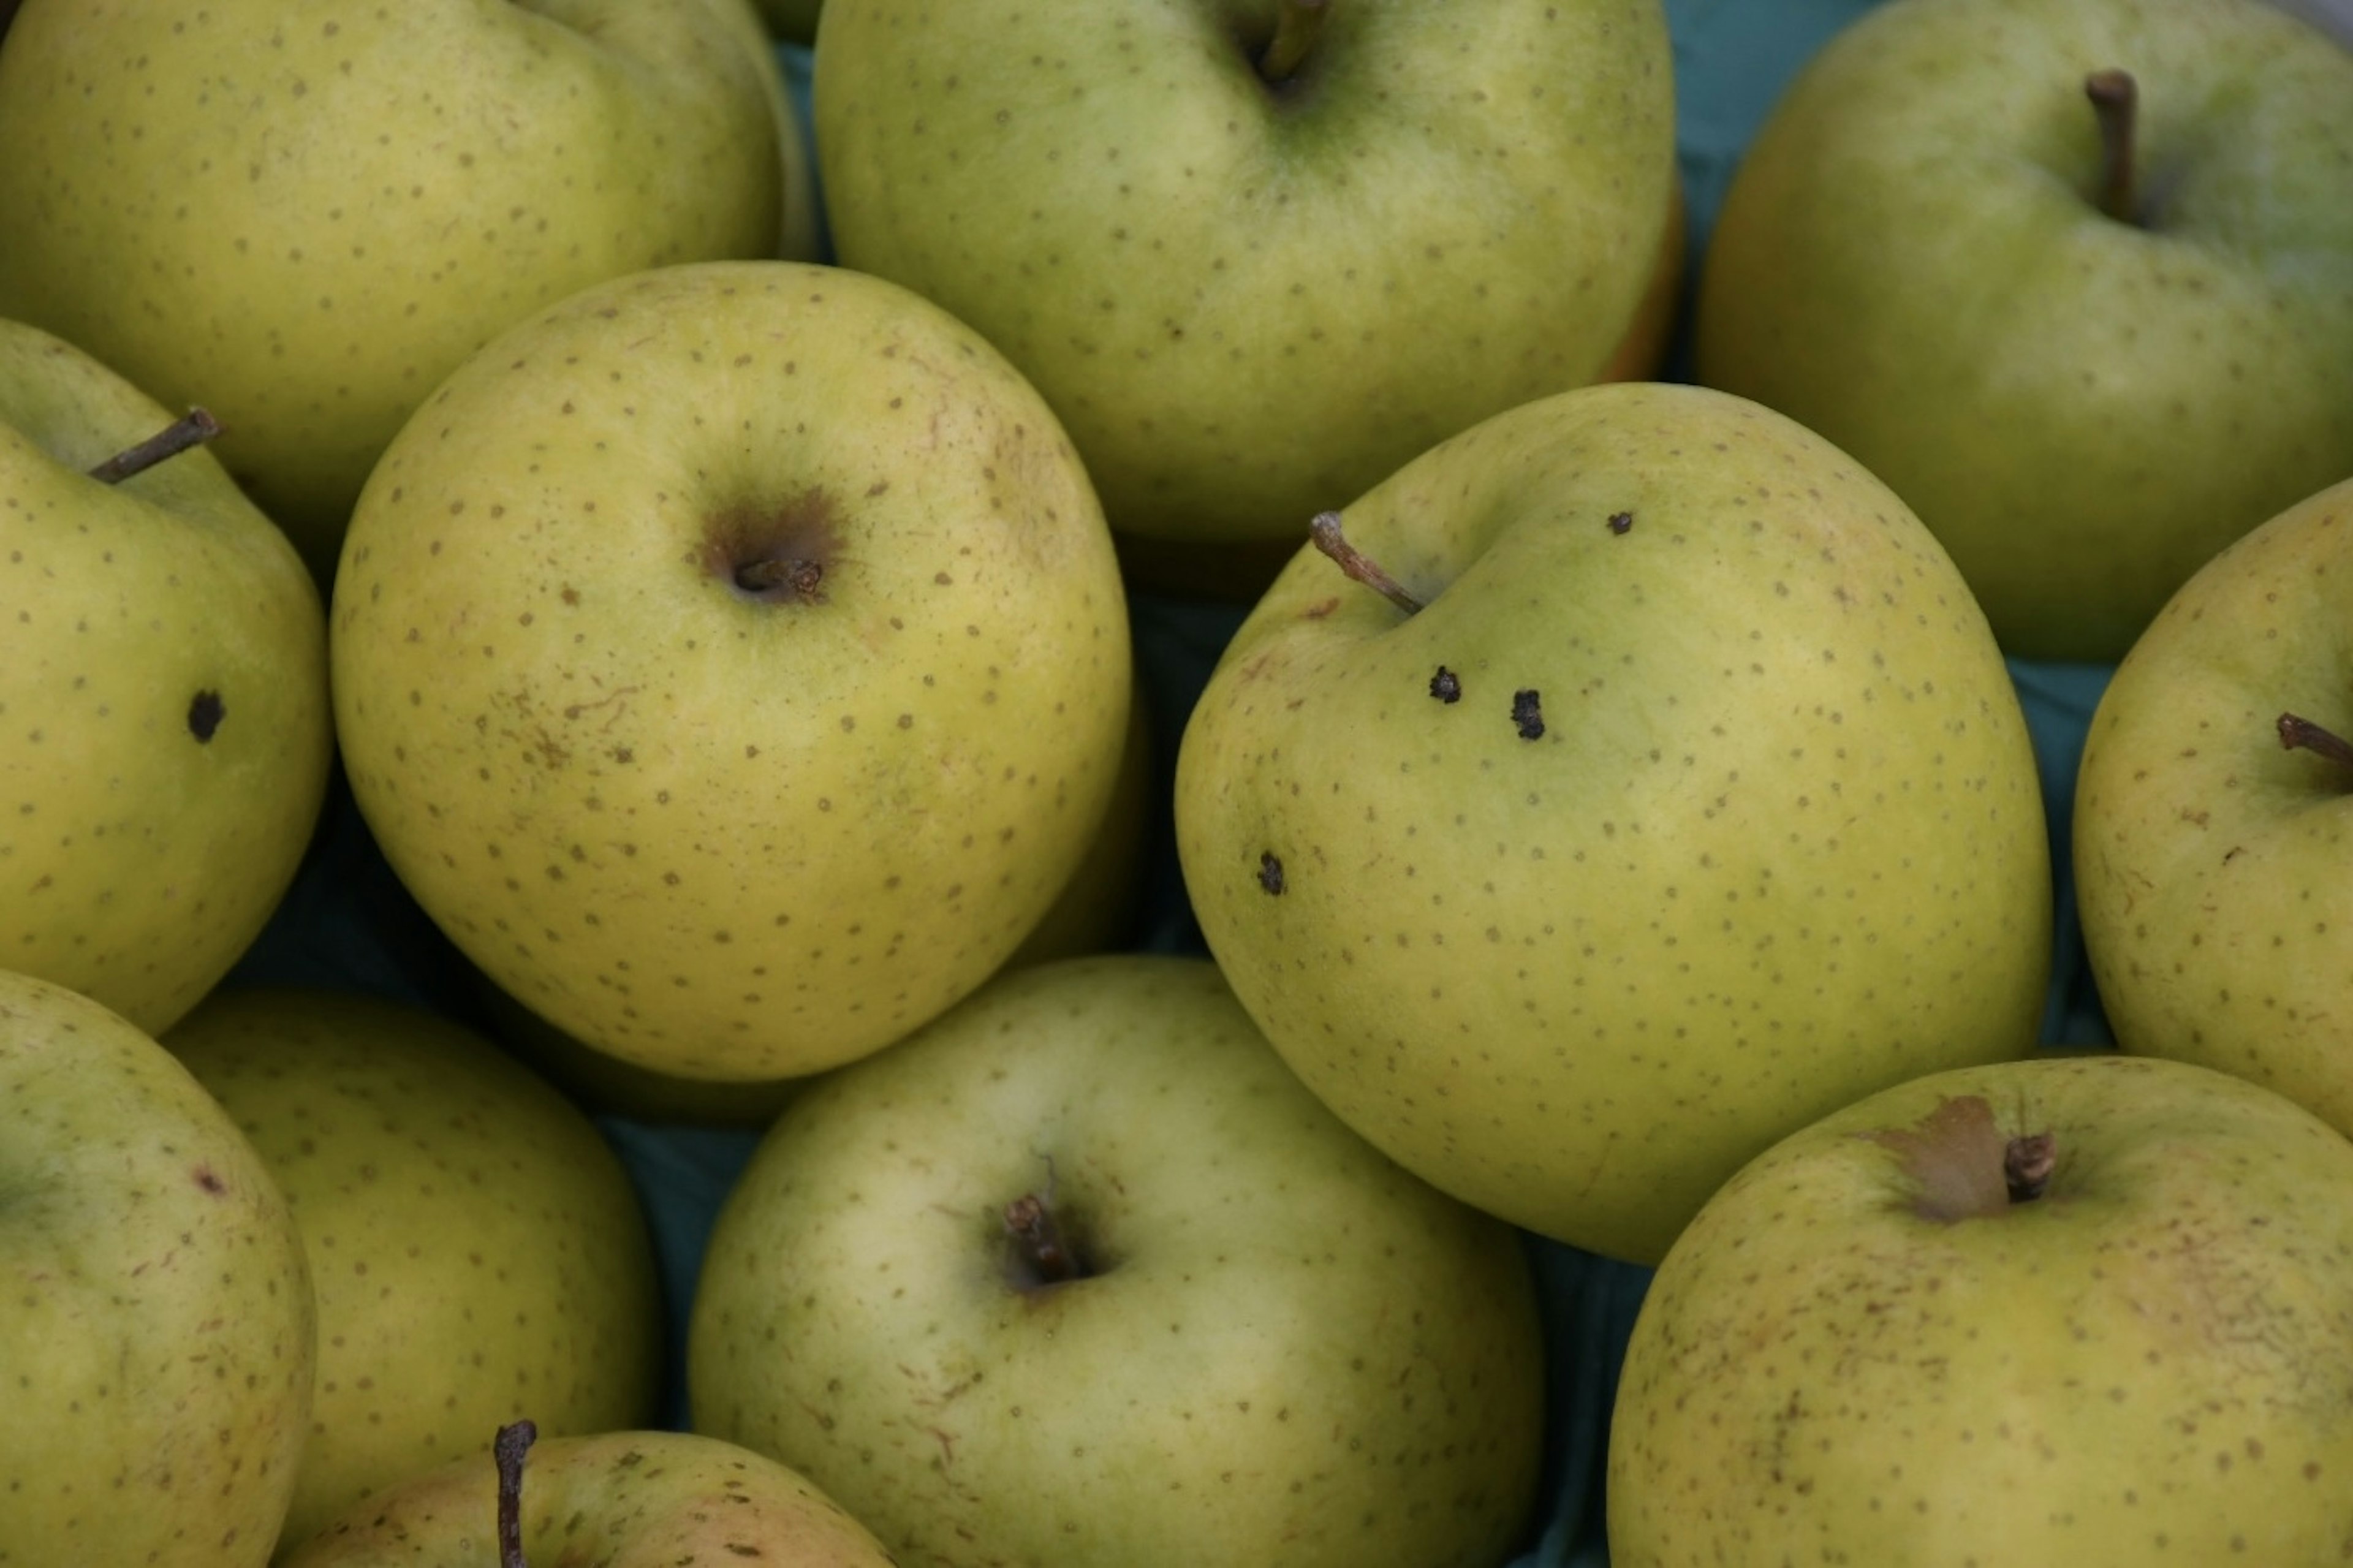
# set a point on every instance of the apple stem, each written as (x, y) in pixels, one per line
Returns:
(803, 579)
(508, 1447)
(2027, 1163)
(1298, 24)
(1325, 530)
(2299, 733)
(192, 429)
(2115, 100)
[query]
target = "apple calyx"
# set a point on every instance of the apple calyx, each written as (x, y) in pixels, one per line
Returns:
(1324, 529)
(513, 1440)
(1962, 1166)
(2116, 102)
(2299, 733)
(193, 428)
(1298, 24)
(1047, 1250)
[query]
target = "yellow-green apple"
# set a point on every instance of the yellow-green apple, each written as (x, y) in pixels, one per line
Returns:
(1257, 255)
(1678, 796)
(1080, 1273)
(2213, 818)
(2088, 1310)
(2073, 277)
(303, 220)
(477, 1251)
(733, 661)
(163, 694)
(621, 1500)
(157, 1346)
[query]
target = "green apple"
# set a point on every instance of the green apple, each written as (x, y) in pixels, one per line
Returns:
(2089, 1310)
(157, 1347)
(733, 661)
(619, 1499)
(162, 695)
(305, 220)
(1690, 800)
(477, 1248)
(1257, 255)
(2213, 818)
(1080, 1274)
(2089, 335)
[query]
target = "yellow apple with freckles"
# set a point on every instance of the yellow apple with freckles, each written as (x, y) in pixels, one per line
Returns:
(732, 660)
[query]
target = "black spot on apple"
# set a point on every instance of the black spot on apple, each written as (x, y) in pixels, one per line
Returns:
(1269, 872)
(1527, 714)
(207, 1178)
(1446, 685)
(776, 552)
(205, 710)
(1620, 521)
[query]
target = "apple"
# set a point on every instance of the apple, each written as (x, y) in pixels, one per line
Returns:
(2073, 277)
(1258, 256)
(158, 1344)
(625, 1500)
(304, 221)
(1080, 1274)
(2213, 821)
(1678, 796)
(477, 1249)
(2086, 1310)
(163, 686)
(732, 660)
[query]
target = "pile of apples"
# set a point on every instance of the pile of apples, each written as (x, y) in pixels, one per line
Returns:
(980, 783)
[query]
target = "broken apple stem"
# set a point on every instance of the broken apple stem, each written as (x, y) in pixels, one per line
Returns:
(2026, 1166)
(804, 579)
(192, 429)
(508, 1449)
(1046, 1255)
(1298, 24)
(1325, 530)
(2298, 733)
(2115, 100)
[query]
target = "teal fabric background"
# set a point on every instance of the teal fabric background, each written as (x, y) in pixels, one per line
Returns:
(348, 924)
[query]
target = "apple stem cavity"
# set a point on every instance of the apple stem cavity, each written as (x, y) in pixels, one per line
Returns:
(773, 578)
(1325, 528)
(2298, 733)
(1045, 1253)
(2026, 1166)
(193, 428)
(2116, 102)
(1298, 24)
(508, 1449)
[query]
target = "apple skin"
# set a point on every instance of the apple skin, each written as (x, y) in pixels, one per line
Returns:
(619, 1500)
(1780, 840)
(159, 1341)
(1290, 1349)
(1911, 261)
(303, 223)
(164, 680)
(2211, 861)
(2150, 1362)
(722, 833)
(1247, 305)
(477, 1253)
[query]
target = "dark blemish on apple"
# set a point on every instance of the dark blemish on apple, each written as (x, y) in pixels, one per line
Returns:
(205, 710)
(1446, 685)
(507, 1449)
(1528, 715)
(1316, 612)
(1620, 521)
(211, 1183)
(1269, 872)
